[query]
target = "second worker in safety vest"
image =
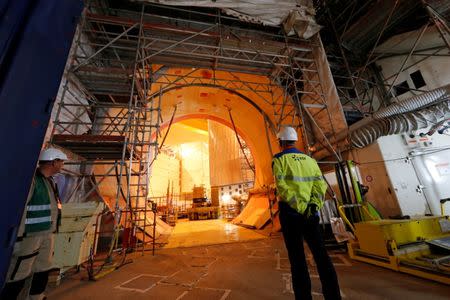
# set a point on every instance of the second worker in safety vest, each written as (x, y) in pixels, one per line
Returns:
(300, 190)
(32, 258)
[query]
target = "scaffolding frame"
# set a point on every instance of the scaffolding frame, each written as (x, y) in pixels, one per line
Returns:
(209, 46)
(110, 108)
(121, 137)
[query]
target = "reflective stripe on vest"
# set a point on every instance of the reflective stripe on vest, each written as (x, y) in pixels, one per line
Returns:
(299, 179)
(38, 207)
(38, 211)
(38, 220)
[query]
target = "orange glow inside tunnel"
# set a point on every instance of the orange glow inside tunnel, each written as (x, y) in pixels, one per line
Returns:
(250, 113)
(199, 152)
(253, 115)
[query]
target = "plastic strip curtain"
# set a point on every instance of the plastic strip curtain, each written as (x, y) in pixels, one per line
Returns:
(225, 165)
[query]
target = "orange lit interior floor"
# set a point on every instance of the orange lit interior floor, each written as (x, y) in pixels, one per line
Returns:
(209, 232)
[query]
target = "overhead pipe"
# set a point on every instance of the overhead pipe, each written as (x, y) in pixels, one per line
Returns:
(413, 103)
(396, 124)
(397, 118)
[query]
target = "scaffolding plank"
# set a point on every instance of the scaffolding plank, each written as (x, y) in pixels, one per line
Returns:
(93, 146)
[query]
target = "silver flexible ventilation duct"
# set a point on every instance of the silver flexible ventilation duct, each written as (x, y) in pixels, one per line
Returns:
(400, 123)
(413, 103)
(397, 118)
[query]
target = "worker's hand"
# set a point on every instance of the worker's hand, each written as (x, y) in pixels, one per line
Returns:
(311, 210)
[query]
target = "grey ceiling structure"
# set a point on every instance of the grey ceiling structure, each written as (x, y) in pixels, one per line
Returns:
(352, 31)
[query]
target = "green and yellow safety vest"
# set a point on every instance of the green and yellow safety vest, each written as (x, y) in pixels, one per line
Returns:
(298, 179)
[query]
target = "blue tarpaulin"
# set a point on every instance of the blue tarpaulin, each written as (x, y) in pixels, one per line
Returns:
(35, 38)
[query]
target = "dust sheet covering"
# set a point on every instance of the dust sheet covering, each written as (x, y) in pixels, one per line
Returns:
(267, 12)
(224, 161)
(297, 16)
(167, 168)
(276, 223)
(256, 213)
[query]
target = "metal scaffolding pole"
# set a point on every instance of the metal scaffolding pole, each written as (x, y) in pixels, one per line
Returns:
(419, 37)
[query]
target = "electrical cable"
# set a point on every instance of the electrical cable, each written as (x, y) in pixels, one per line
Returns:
(168, 128)
(267, 137)
(165, 136)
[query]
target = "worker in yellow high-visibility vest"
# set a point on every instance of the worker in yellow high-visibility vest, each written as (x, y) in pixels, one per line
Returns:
(300, 190)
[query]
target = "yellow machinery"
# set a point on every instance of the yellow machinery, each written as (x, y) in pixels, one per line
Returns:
(200, 208)
(420, 246)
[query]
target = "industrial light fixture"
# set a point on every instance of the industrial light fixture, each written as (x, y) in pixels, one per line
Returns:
(226, 199)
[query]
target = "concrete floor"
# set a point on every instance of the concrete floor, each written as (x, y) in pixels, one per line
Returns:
(257, 269)
(209, 232)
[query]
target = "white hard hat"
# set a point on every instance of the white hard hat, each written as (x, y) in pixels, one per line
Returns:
(287, 133)
(52, 154)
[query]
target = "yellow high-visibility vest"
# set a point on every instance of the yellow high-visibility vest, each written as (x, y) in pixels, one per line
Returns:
(298, 179)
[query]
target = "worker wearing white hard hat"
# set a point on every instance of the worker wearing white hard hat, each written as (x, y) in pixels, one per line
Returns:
(300, 191)
(32, 257)
(287, 133)
(51, 161)
(52, 154)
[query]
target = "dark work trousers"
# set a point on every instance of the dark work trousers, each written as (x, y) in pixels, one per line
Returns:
(297, 227)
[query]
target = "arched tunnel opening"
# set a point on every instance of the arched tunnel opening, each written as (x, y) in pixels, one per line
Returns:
(215, 147)
(195, 151)
(202, 152)
(201, 179)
